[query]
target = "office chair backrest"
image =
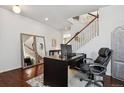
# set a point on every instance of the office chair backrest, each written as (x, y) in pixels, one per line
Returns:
(104, 56)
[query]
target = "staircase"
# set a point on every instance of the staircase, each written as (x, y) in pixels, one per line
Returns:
(87, 33)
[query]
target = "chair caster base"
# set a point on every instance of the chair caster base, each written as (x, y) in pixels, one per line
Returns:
(93, 83)
(81, 79)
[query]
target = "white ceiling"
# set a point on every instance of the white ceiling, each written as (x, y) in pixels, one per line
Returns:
(57, 14)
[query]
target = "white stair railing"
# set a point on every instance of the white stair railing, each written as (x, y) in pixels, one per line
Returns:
(86, 35)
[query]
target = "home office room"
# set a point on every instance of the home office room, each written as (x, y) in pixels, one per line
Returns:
(61, 45)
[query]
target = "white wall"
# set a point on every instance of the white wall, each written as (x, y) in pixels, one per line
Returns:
(109, 18)
(11, 25)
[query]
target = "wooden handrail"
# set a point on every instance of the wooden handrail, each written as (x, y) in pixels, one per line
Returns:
(82, 29)
(93, 15)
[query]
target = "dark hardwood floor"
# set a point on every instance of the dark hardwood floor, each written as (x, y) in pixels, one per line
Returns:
(18, 78)
(111, 82)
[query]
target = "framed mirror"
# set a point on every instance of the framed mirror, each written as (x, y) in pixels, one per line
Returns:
(33, 50)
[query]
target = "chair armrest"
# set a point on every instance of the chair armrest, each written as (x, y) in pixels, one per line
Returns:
(96, 64)
(88, 60)
(94, 71)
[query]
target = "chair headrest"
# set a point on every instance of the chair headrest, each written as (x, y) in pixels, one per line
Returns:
(104, 52)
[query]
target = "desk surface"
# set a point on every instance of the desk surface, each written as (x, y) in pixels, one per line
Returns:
(63, 59)
(56, 58)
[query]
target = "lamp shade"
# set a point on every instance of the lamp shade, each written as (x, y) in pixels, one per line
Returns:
(16, 9)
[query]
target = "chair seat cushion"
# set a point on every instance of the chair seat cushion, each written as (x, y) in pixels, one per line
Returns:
(85, 68)
(97, 70)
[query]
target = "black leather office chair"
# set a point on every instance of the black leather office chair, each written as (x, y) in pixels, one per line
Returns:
(96, 67)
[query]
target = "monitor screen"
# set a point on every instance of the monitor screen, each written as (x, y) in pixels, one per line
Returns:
(69, 50)
(66, 50)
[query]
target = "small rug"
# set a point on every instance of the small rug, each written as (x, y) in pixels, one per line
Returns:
(36, 81)
(73, 80)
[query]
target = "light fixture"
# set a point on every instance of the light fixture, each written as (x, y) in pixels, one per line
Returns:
(67, 35)
(16, 9)
(46, 19)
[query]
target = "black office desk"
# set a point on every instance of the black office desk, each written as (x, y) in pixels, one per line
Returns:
(56, 71)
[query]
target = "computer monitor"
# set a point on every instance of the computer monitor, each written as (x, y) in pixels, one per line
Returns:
(69, 50)
(66, 50)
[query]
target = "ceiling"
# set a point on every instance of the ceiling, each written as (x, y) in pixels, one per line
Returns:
(57, 14)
